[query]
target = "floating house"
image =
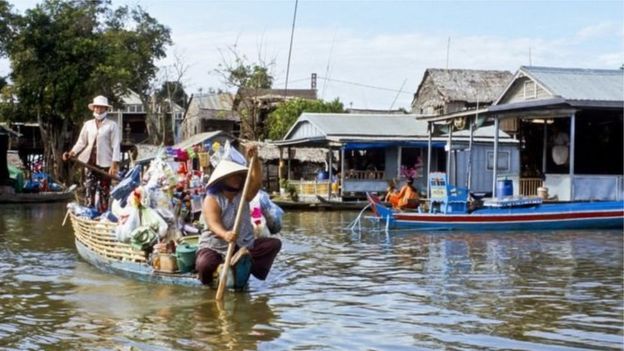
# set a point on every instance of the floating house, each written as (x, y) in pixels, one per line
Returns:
(375, 149)
(569, 123)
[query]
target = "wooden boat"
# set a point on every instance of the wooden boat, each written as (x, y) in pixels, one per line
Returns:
(341, 205)
(48, 196)
(96, 243)
(530, 215)
(321, 204)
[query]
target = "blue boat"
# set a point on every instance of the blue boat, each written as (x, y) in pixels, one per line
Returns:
(511, 214)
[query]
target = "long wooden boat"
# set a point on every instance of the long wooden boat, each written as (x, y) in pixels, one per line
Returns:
(341, 205)
(96, 243)
(50, 196)
(321, 205)
(540, 216)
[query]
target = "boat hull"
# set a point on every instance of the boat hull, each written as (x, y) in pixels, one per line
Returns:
(6, 198)
(96, 244)
(574, 215)
(139, 271)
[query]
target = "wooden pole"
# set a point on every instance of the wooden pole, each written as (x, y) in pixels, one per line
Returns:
(94, 169)
(231, 245)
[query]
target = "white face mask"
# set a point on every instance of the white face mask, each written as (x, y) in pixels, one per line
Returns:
(100, 116)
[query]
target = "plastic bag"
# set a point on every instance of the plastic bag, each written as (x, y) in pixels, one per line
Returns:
(227, 152)
(272, 213)
(128, 222)
(151, 218)
(143, 237)
(125, 187)
(82, 211)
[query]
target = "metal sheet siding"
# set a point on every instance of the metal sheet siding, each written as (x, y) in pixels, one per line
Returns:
(305, 130)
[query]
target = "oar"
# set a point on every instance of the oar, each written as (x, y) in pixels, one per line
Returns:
(237, 222)
(94, 169)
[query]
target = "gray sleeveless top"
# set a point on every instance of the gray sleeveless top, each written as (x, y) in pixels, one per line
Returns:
(228, 216)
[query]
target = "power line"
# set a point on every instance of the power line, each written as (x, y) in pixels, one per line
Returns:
(366, 85)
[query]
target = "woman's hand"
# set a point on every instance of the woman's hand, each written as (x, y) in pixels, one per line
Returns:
(229, 236)
(252, 150)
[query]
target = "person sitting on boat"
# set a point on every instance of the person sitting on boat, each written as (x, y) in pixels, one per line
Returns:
(98, 145)
(391, 191)
(219, 210)
(407, 197)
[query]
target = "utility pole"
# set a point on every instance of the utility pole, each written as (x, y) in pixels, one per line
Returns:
(292, 35)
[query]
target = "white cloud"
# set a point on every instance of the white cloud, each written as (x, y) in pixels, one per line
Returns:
(599, 30)
(384, 61)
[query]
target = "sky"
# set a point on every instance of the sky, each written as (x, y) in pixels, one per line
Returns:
(372, 54)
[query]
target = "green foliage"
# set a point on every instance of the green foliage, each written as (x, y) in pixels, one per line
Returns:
(7, 22)
(286, 114)
(292, 192)
(63, 53)
(176, 90)
(246, 75)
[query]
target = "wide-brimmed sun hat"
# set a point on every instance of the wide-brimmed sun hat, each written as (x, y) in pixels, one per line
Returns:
(225, 168)
(99, 101)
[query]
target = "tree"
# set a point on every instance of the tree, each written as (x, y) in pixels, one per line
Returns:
(7, 21)
(286, 114)
(173, 90)
(248, 79)
(64, 53)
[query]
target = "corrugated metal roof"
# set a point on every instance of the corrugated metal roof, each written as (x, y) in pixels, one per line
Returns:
(222, 101)
(314, 125)
(199, 138)
(579, 83)
(131, 98)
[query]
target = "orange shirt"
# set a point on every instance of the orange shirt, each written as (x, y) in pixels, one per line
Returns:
(402, 198)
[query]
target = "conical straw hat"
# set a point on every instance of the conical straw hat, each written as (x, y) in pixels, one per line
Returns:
(224, 169)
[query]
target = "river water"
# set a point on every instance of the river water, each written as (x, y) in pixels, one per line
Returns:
(330, 289)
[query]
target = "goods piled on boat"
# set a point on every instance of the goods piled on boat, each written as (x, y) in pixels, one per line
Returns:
(154, 221)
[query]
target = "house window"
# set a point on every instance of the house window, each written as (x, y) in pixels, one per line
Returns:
(530, 90)
(503, 163)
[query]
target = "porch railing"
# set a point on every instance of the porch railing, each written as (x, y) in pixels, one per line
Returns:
(353, 174)
(311, 188)
(528, 186)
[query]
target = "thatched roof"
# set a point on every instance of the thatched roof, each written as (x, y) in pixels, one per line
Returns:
(467, 84)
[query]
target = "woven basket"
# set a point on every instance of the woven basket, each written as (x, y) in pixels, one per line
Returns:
(99, 237)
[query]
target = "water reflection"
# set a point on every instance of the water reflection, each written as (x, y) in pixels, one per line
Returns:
(330, 289)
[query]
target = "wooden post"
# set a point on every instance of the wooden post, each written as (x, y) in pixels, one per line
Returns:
(430, 129)
(342, 170)
(571, 151)
(495, 160)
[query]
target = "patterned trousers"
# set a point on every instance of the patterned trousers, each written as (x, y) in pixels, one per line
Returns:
(262, 256)
(97, 190)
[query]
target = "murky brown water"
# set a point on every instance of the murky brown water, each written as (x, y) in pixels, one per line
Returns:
(330, 289)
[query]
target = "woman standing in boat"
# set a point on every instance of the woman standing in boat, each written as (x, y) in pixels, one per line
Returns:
(219, 210)
(99, 145)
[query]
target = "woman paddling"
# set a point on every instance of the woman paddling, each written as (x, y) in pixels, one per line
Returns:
(219, 210)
